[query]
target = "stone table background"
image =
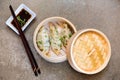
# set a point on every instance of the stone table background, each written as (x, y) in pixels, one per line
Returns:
(100, 14)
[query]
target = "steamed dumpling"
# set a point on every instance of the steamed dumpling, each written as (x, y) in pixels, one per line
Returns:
(55, 41)
(43, 40)
(65, 33)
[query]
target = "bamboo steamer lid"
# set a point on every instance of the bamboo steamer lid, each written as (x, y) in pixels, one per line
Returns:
(89, 51)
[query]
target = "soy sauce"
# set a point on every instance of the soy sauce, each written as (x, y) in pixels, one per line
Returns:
(22, 17)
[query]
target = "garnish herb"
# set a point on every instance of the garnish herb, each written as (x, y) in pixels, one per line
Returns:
(22, 22)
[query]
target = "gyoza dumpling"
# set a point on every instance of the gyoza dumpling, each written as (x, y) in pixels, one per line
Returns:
(43, 40)
(55, 41)
(66, 33)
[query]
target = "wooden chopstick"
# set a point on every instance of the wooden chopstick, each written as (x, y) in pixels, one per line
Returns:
(33, 62)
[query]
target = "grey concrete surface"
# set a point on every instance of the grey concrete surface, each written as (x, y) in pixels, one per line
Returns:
(100, 14)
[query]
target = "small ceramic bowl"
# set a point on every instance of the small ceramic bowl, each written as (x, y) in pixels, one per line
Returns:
(89, 51)
(22, 6)
(53, 58)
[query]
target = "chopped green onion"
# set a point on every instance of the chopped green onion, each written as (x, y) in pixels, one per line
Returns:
(22, 22)
(39, 42)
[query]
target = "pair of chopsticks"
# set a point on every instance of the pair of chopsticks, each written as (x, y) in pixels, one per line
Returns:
(33, 62)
